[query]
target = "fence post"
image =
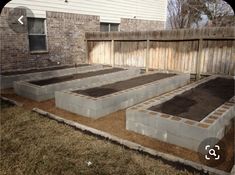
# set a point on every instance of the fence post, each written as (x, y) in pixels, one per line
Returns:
(87, 52)
(112, 53)
(147, 57)
(199, 59)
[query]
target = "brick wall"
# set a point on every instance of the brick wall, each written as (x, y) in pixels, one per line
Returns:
(130, 25)
(66, 34)
(13, 46)
(65, 38)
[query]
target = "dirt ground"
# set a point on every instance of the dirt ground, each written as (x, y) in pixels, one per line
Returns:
(123, 85)
(32, 144)
(197, 103)
(74, 76)
(115, 125)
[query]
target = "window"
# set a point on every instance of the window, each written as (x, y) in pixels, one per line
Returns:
(104, 27)
(109, 27)
(37, 34)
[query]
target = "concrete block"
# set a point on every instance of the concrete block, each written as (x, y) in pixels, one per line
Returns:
(7, 81)
(41, 93)
(105, 105)
(180, 132)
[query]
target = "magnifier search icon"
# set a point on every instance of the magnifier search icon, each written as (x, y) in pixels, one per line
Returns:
(212, 152)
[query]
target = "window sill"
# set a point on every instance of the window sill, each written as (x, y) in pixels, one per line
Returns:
(39, 52)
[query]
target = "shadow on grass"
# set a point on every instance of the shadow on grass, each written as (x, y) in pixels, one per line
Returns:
(5, 104)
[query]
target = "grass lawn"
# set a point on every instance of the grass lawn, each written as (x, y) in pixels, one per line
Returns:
(32, 144)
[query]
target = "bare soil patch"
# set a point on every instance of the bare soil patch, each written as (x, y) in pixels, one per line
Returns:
(123, 85)
(197, 103)
(32, 144)
(115, 124)
(74, 76)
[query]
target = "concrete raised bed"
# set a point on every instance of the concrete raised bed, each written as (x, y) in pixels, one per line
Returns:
(44, 92)
(8, 79)
(96, 107)
(177, 130)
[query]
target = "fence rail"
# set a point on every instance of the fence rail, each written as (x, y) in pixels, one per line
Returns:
(200, 51)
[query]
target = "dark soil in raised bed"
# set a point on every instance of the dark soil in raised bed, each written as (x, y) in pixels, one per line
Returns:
(74, 76)
(197, 103)
(41, 70)
(122, 85)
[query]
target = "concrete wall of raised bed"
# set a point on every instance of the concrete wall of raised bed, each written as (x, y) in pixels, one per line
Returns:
(101, 106)
(176, 130)
(41, 93)
(7, 81)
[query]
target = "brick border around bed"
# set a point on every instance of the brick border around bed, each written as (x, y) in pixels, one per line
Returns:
(41, 93)
(176, 130)
(7, 81)
(97, 107)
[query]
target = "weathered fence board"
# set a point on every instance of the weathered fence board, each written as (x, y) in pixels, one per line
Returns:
(176, 50)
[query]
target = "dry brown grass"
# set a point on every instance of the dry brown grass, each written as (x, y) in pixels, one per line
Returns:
(31, 144)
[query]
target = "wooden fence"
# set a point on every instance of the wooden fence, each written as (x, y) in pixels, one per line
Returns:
(200, 51)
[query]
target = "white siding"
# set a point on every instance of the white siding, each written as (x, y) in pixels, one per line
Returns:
(108, 10)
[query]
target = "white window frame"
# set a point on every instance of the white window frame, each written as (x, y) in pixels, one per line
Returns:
(109, 24)
(46, 38)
